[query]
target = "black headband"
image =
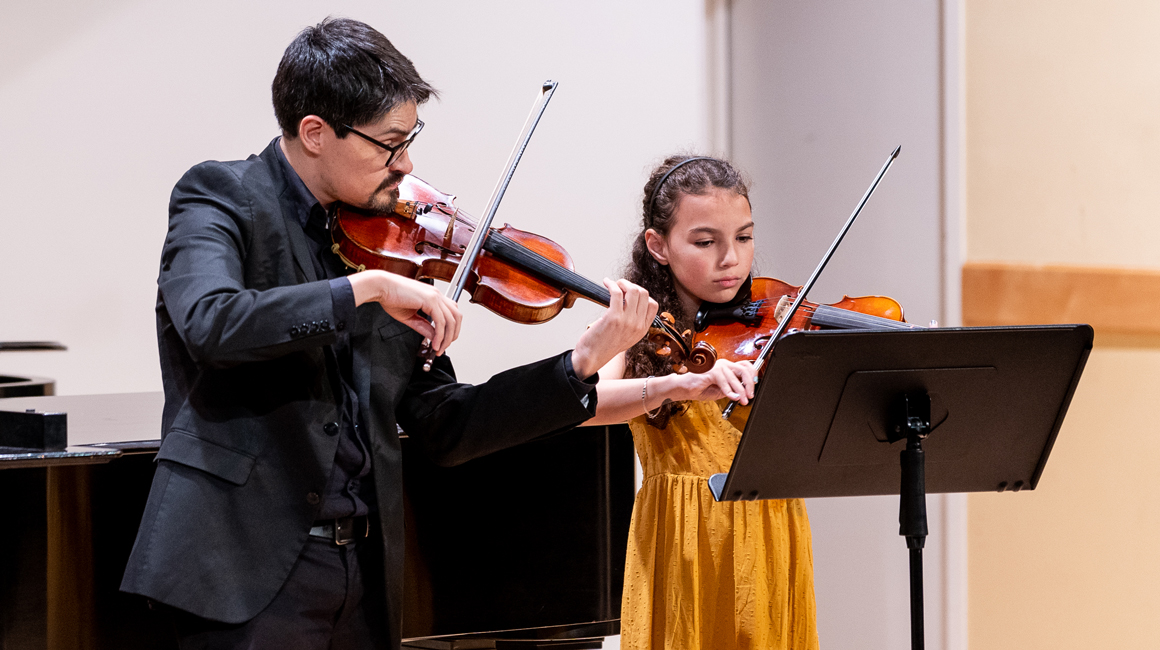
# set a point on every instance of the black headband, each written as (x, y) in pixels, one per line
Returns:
(652, 201)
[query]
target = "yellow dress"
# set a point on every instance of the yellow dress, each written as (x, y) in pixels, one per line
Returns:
(703, 574)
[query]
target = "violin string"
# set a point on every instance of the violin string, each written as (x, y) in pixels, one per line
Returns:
(464, 218)
(856, 316)
(836, 316)
(459, 215)
(839, 314)
(810, 310)
(845, 318)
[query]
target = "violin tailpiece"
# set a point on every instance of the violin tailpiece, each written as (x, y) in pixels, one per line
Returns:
(412, 209)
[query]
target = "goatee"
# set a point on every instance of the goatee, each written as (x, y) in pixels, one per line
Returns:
(385, 204)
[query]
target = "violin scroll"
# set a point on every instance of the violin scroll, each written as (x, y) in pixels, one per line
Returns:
(669, 343)
(702, 358)
(682, 353)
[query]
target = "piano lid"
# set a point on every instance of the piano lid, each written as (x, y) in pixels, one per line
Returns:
(25, 346)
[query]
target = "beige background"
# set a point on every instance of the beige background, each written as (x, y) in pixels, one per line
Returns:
(1062, 134)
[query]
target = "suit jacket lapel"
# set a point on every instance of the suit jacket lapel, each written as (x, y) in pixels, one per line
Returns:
(298, 244)
(294, 234)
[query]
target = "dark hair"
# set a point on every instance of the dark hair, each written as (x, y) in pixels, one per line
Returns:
(659, 207)
(345, 72)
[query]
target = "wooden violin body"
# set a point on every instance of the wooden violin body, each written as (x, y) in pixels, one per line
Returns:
(424, 238)
(738, 331)
(519, 275)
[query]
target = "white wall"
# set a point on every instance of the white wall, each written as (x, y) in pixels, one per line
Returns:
(822, 92)
(105, 105)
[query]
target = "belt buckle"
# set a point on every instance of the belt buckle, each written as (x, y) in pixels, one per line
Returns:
(344, 530)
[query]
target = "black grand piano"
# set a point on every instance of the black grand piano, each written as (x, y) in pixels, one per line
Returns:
(521, 549)
(13, 386)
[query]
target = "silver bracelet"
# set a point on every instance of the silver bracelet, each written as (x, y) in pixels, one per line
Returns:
(644, 398)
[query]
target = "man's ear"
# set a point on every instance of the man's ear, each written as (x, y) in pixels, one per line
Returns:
(311, 132)
(656, 246)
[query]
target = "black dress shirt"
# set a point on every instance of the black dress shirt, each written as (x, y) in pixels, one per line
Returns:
(349, 491)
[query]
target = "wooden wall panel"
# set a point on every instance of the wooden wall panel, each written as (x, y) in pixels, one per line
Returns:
(1112, 300)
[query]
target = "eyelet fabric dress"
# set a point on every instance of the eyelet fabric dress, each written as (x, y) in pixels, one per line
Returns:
(703, 574)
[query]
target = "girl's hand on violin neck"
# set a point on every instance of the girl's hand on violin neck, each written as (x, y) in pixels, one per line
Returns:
(626, 321)
(403, 298)
(734, 380)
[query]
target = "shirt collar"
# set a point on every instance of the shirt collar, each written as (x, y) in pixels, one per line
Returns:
(302, 196)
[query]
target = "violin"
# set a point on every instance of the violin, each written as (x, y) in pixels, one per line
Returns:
(519, 275)
(741, 329)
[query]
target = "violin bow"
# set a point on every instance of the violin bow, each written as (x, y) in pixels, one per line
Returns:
(475, 244)
(781, 326)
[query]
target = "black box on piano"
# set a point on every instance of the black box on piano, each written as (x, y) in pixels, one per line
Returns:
(32, 429)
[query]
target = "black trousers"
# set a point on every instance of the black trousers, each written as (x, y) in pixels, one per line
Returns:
(324, 605)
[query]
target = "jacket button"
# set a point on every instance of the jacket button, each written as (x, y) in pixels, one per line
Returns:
(313, 498)
(331, 428)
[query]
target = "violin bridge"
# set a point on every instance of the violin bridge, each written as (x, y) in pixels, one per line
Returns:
(449, 233)
(783, 306)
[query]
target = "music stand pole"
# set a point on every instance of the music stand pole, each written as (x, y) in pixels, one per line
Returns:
(911, 420)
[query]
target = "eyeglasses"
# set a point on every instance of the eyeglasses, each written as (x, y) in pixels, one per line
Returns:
(396, 150)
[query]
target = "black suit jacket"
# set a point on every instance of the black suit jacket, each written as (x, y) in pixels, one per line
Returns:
(244, 330)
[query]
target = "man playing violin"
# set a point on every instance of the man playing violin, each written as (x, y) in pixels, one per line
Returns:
(275, 517)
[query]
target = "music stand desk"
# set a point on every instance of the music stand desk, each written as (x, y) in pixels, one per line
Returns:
(835, 411)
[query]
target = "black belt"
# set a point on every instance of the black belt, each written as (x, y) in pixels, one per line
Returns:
(341, 531)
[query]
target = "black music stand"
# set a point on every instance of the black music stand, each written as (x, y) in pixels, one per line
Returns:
(984, 404)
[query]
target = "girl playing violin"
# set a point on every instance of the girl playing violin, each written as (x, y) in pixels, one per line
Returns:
(700, 574)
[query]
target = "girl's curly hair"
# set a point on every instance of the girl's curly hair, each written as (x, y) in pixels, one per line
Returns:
(658, 212)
